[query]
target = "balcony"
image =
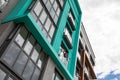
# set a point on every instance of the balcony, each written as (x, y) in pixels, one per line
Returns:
(68, 38)
(71, 21)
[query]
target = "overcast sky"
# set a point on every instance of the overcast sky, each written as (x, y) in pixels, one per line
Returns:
(101, 19)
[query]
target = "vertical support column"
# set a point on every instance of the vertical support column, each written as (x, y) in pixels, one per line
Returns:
(83, 65)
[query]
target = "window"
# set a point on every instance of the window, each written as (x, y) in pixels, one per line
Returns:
(68, 38)
(57, 76)
(2, 75)
(3, 3)
(27, 59)
(46, 13)
(6, 75)
(38, 8)
(71, 20)
(43, 17)
(11, 54)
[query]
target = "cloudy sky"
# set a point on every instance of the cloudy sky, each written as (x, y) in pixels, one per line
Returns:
(101, 19)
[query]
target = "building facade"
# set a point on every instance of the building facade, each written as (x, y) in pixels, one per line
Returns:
(85, 58)
(39, 39)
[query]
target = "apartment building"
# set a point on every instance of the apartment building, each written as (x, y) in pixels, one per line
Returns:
(85, 58)
(39, 39)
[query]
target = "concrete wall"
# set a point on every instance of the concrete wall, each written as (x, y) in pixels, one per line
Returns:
(50, 69)
(6, 28)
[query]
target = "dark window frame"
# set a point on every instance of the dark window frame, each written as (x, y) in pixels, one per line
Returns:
(22, 50)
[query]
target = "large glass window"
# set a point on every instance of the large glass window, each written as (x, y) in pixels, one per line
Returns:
(27, 59)
(43, 17)
(38, 8)
(11, 54)
(47, 14)
(20, 63)
(2, 75)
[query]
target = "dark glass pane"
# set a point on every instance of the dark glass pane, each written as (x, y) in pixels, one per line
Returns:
(38, 48)
(28, 70)
(43, 17)
(2, 75)
(38, 8)
(20, 63)
(29, 45)
(32, 40)
(11, 54)
(21, 36)
(58, 77)
(36, 74)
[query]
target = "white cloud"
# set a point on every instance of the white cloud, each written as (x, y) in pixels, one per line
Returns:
(117, 72)
(115, 79)
(101, 19)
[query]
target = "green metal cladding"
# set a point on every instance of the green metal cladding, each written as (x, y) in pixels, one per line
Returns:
(20, 15)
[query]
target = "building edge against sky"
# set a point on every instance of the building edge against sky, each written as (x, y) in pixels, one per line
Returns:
(39, 39)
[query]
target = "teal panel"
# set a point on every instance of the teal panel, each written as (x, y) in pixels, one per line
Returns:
(60, 28)
(18, 11)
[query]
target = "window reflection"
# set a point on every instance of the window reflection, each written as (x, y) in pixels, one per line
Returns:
(28, 70)
(10, 78)
(36, 74)
(21, 36)
(28, 47)
(20, 63)
(48, 5)
(2, 75)
(52, 30)
(11, 54)
(39, 63)
(43, 16)
(47, 24)
(55, 5)
(38, 8)
(34, 55)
